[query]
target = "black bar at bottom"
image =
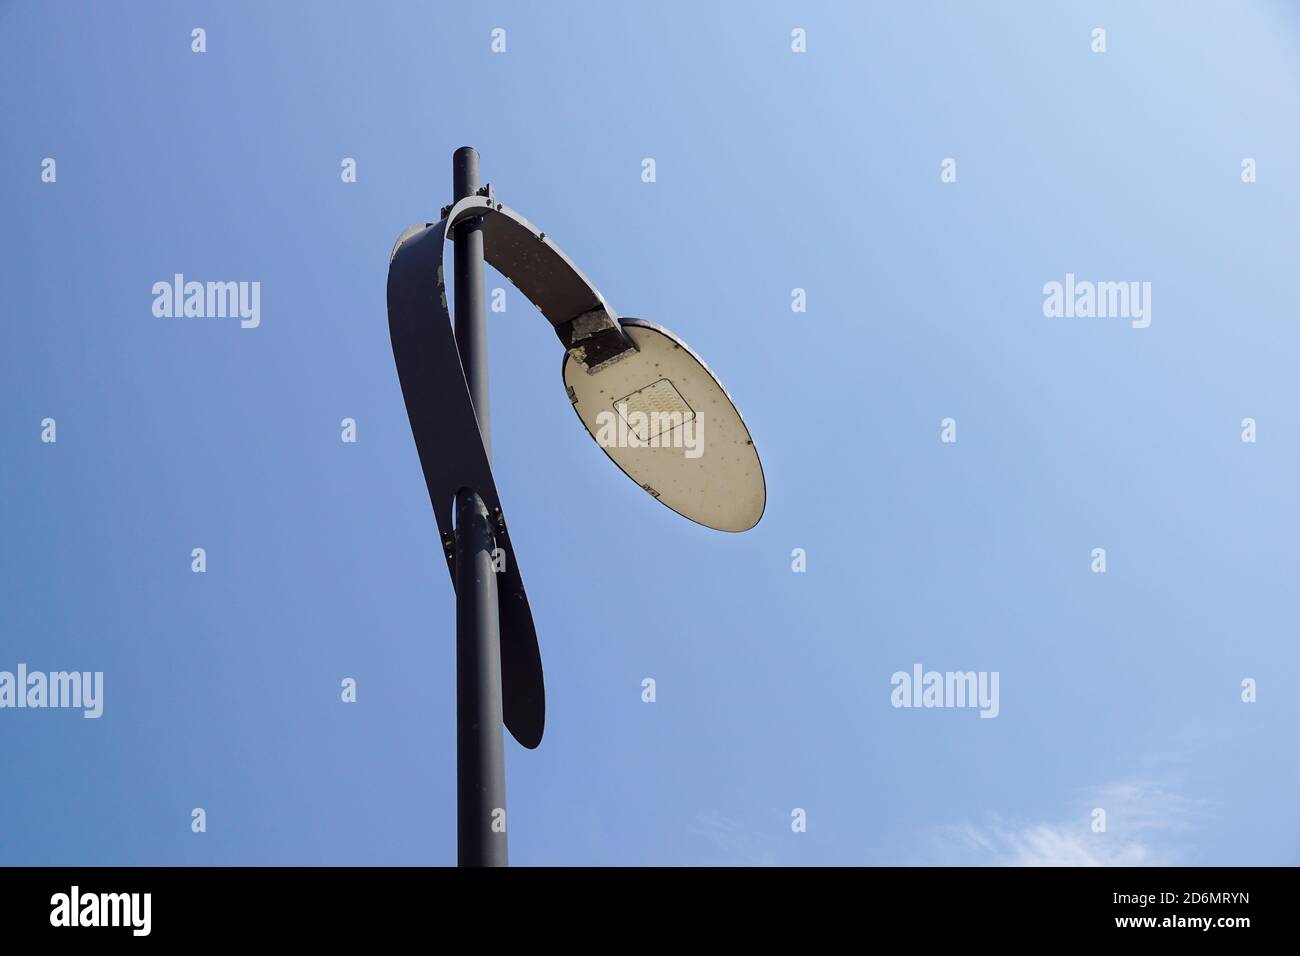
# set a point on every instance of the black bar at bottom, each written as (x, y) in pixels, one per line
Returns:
(974, 907)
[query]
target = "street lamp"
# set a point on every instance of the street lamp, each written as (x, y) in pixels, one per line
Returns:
(647, 399)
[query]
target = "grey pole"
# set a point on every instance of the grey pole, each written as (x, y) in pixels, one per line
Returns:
(480, 750)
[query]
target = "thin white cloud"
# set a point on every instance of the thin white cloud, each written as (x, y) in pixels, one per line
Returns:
(1145, 826)
(739, 845)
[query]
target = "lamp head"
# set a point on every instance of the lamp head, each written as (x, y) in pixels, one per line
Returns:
(663, 417)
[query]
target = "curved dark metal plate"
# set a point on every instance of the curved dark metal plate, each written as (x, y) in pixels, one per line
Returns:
(452, 455)
(442, 414)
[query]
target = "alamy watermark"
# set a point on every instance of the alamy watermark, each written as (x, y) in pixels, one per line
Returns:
(631, 426)
(209, 300)
(75, 908)
(1098, 300)
(922, 688)
(83, 690)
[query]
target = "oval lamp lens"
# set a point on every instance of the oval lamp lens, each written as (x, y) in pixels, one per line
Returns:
(663, 418)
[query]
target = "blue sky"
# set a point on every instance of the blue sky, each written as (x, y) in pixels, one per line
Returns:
(775, 170)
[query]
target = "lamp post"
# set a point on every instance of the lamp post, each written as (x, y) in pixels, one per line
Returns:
(480, 751)
(652, 405)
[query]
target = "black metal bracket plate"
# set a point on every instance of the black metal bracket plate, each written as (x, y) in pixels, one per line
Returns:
(452, 456)
(441, 412)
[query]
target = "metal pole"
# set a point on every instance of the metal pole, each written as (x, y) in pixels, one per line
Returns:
(471, 314)
(480, 750)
